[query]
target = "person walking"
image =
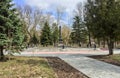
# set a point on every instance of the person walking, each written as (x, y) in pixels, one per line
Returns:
(94, 46)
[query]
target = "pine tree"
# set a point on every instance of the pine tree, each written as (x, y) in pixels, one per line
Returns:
(17, 36)
(34, 40)
(104, 17)
(46, 36)
(10, 27)
(87, 20)
(78, 32)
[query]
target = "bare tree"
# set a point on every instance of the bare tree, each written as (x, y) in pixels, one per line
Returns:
(31, 17)
(26, 14)
(59, 11)
(37, 14)
(66, 34)
(79, 11)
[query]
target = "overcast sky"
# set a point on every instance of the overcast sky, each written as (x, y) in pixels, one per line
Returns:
(51, 5)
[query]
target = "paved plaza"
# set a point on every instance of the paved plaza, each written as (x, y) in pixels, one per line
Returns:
(77, 57)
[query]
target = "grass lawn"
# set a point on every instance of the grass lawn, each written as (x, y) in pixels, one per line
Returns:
(113, 59)
(26, 67)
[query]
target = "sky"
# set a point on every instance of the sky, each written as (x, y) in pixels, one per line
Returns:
(68, 6)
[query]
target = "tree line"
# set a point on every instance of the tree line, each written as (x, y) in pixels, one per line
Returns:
(39, 24)
(22, 27)
(101, 24)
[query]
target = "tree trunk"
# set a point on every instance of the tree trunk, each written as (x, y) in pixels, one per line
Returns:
(110, 47)
(115, 44)
(104, 43)
(98, 41)
(1, 53)
(79, 44)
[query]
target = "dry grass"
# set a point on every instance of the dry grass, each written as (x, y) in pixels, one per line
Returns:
(26, 67)
(116, 57)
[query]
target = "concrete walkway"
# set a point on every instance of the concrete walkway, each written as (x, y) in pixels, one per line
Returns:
(91, 67)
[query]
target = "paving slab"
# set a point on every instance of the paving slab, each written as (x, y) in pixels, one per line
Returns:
(93, 68)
